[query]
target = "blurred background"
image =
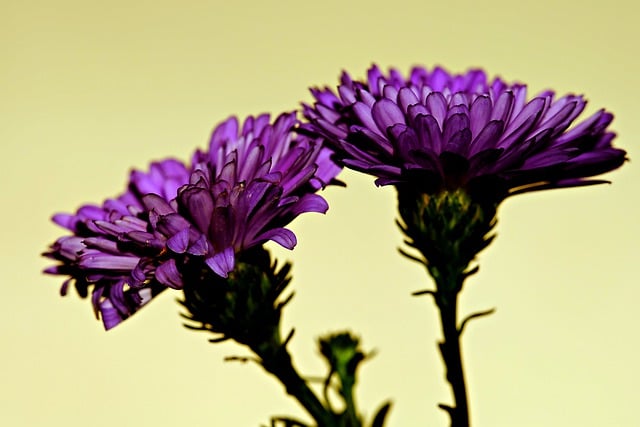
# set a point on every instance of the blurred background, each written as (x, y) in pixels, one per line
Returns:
(89, 90)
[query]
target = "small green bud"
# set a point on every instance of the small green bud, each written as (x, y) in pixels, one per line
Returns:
(448, 229)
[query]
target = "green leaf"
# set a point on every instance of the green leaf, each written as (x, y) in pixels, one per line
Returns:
(381, 415)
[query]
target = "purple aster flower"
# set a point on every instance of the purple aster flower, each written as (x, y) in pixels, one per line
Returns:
(240, 193)
(442, 131)
(455, 146)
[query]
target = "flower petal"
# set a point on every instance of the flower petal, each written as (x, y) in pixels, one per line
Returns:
(167, 273)
(281, 236)
(222, 263)
(179, 242)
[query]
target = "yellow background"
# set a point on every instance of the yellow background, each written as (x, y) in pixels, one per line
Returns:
(90, 89)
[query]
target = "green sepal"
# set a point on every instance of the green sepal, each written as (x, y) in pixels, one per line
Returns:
(448, 229)
(246, 306)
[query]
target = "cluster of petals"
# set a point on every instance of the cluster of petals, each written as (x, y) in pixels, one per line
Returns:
(440, 131)
(244, 190)
(241, 192)
(111, 251)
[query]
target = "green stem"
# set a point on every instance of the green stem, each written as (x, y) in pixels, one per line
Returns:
(352, 412)
(278, 363)
(451, 354)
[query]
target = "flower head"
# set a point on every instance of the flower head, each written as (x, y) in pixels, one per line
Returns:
(238, 194)
(440, 131)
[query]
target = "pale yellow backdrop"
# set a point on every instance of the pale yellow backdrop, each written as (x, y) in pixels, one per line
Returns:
(90, 89)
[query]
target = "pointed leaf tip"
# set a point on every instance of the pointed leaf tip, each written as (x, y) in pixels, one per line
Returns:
(381, 415)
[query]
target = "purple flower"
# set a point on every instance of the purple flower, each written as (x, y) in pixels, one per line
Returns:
(240, 193)
(440, 131)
